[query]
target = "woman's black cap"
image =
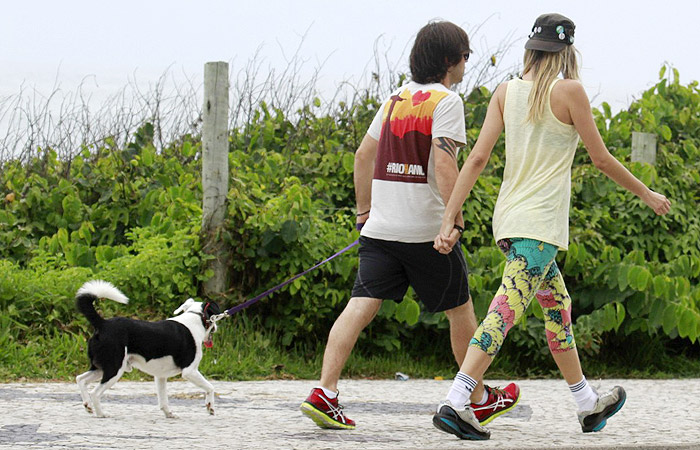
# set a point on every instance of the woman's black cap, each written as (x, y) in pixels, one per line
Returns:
(551, 33)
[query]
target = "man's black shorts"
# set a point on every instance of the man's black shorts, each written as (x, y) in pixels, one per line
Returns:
(387, 268)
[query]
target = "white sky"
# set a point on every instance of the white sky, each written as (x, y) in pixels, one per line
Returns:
(624, 43)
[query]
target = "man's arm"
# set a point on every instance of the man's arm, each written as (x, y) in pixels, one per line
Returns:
(446, 170)
(363, 173)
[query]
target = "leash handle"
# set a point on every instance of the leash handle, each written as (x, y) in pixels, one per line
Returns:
(217, 317)
(247, 303)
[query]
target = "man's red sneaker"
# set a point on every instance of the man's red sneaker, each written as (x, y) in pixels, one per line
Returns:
(325, 412)
(499, 401)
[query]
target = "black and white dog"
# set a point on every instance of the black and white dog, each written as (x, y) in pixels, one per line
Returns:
(162, 349)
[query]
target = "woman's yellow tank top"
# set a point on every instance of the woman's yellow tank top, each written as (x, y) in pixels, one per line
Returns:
(533, 201)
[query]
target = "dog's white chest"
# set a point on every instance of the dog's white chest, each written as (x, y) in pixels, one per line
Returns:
(159, 367)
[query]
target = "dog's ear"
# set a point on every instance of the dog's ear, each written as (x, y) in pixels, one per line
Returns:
(211, 309)
(184, 306)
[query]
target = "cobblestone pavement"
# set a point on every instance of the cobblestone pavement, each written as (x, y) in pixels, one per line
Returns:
(390, 415)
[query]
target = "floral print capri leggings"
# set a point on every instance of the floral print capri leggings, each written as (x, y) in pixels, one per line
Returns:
(530, 271)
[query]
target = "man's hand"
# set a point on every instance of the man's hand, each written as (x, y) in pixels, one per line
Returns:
(360, 220)
(362, 176)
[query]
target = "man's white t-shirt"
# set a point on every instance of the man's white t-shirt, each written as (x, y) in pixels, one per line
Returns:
(406, 203)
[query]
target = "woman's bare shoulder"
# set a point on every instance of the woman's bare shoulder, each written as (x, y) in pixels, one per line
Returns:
(500, 91)
(570, 91)
(569, 86)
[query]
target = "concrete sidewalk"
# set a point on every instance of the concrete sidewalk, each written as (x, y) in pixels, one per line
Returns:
(390, 415)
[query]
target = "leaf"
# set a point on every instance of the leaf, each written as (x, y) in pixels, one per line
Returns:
(620, 313)
(639, 278)
(71, 208)
(535, 309)
(670, 319)
(686, 323)
(682, 265)
(147, 156)
(408, 311)
(572, 252)
(602, 268)
(666, 132)
(388, 309)
(71, 255)
(84, 232)
(187, 149)
(623, 277)
(612, 279)
(656, 315)
(609, 317)
(682, 287)
(289, 231)
(53, 244)
(348, 162)
(295, 286)
(634, 325)
(636, 304)
(104, 254)
(660, 285)
(62, 235)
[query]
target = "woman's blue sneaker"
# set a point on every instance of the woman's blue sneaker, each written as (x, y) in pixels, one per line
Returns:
(606, 405)
(460, 422)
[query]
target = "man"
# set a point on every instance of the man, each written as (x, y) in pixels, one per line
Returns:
(405, 169)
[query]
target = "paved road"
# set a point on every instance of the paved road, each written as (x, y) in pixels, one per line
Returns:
(390, 415)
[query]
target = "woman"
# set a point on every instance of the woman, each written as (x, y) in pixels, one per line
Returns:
(543, 117)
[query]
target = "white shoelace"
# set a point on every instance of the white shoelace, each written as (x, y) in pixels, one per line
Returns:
(335, 411)
(502, 401)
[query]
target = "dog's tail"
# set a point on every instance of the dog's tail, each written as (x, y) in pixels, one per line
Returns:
(91, 291)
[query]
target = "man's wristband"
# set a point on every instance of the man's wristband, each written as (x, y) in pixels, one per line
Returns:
(362, 214)
(460, 229)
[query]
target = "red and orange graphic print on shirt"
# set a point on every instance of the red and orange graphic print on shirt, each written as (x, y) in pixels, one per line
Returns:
(406, 137)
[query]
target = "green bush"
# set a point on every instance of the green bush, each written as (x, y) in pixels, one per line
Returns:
(131, 216)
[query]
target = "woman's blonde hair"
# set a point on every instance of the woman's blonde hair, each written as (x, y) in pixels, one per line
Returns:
(545, 67)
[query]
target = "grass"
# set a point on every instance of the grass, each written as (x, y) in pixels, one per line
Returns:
(244, 350)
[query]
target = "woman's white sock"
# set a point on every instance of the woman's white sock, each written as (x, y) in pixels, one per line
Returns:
(461, 390)
(584, 395)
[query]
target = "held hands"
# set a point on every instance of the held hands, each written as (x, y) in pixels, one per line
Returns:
(446, 239)
(658, 202)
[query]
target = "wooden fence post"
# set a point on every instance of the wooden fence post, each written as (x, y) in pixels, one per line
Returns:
(644, 147)
(215, 173)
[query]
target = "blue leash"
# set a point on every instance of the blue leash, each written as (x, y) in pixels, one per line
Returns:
(247, 303)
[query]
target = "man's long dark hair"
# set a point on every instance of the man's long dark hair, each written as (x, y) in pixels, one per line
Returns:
(438, 46)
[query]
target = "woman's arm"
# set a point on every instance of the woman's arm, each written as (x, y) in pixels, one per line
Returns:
(472, 168)
(580, 110)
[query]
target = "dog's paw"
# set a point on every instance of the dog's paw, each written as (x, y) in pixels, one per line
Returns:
(170, 415)
(210, 409)
(88, 408)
